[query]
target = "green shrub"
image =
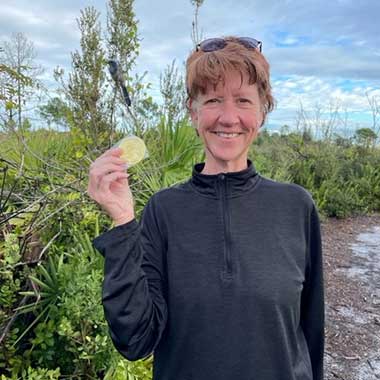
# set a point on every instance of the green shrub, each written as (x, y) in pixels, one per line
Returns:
(35, 374)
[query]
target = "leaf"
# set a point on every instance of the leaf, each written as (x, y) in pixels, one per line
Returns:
(45, 273)
(42, 284)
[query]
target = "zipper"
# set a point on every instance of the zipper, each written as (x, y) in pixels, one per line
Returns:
(226, 223)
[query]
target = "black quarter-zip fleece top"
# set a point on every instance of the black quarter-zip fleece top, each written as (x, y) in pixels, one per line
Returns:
(222, 279)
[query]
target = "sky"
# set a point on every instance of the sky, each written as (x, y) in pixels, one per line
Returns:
(324, 55)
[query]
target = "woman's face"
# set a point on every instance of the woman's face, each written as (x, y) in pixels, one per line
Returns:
(228, 120)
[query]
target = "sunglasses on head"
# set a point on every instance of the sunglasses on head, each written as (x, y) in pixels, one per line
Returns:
(212, 44)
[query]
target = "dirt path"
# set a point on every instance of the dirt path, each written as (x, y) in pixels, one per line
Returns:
(352, 286)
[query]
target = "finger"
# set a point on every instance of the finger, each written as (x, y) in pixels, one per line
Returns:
(102, 162)
(120, 183)
(97, 174)
(112, 152)
(106, 159)
(104, 167)
(105, 182)
(101, 187)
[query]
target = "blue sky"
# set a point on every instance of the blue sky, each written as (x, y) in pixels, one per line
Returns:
(324, 55)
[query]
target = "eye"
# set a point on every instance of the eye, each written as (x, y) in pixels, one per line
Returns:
(213, 100)
(244, 100)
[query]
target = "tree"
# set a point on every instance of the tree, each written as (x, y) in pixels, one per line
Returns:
(122, 41)
(88, 91)
(172, 88)
(196, 36)
(19, 55)
(57, 112)
(8, 78)
(365, 137)
(123, 46)
(374, 104)
(86, 82)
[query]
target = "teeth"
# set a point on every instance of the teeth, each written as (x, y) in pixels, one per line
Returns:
(228, 135)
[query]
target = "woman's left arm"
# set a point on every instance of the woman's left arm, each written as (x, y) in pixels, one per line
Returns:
(312, 301)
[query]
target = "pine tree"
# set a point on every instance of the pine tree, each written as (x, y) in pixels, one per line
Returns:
(89, 91)
(19, 54)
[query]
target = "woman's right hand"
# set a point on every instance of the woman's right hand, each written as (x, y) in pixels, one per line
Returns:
(108, 186)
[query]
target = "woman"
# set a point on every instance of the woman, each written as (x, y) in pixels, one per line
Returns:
(222, 278)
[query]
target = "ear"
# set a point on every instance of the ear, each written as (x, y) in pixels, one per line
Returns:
(193, 111)
(261, 118)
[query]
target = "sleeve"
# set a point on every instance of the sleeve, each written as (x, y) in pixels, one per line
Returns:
(133, 286)
(312, 301)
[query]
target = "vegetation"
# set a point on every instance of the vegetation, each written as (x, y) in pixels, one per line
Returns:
(51, 319)
(18, 60)
(342, 174)
(52, 323)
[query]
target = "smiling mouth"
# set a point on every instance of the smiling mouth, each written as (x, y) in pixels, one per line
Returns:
(227, 135)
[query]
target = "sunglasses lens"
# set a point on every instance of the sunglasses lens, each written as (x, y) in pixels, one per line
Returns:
(250, 43)
(212, 44)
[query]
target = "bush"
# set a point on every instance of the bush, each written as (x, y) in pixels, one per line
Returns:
(61, 332)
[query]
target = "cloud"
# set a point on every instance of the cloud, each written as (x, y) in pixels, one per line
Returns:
(45, 24)
(316, 102)
(313, 90)
(16, 16)
(318, 51)
(313, 38)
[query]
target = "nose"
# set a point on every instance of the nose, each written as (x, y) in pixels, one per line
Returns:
(229, 114)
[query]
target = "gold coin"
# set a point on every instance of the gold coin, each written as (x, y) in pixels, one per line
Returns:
(133, 148)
